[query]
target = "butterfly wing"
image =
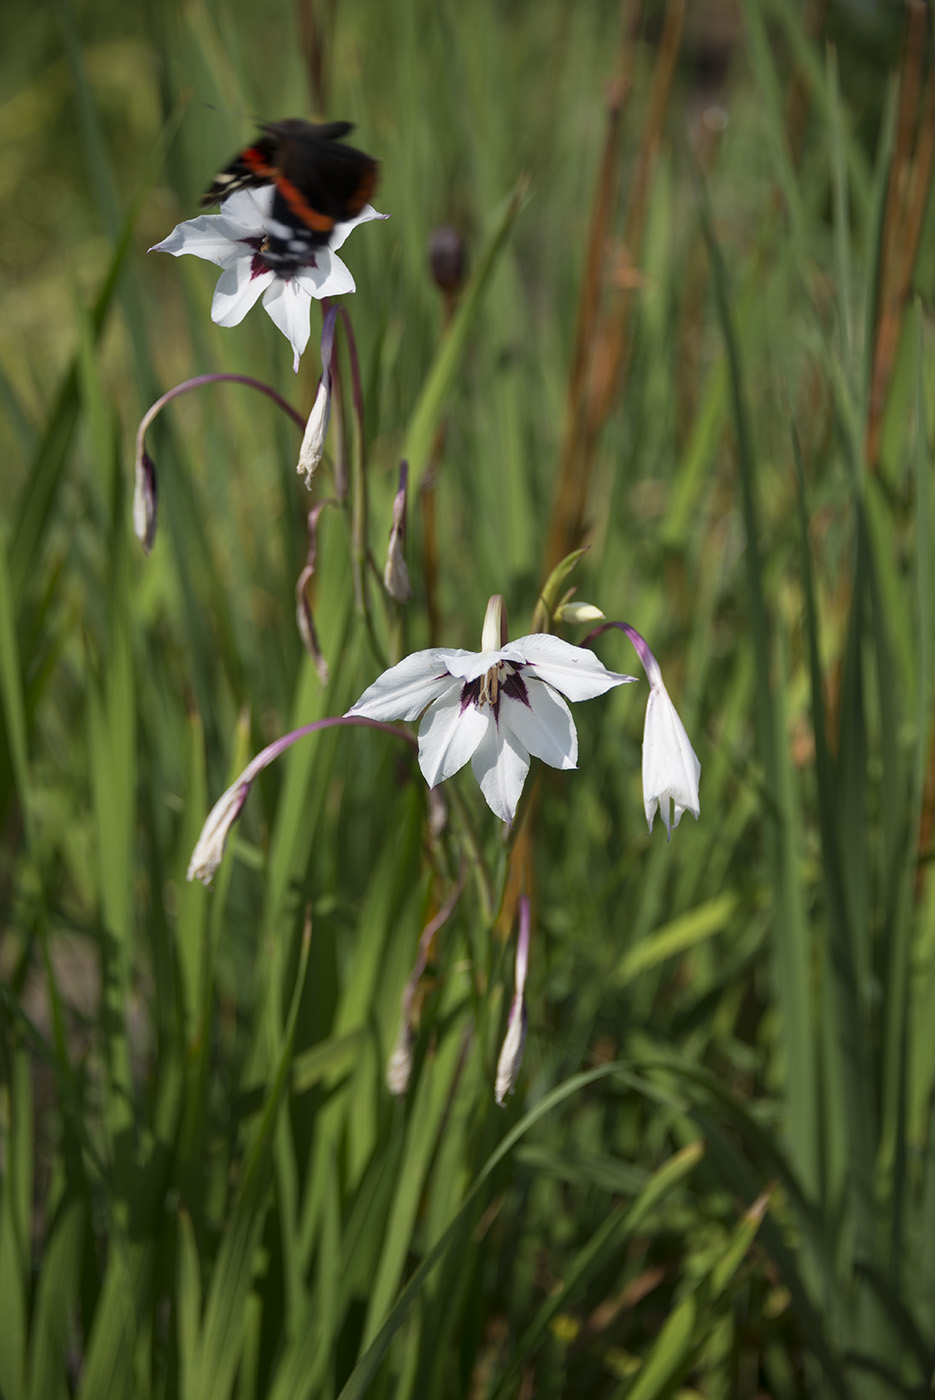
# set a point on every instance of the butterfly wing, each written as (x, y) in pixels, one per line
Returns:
(319, 181)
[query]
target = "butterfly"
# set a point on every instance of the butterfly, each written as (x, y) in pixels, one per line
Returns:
(319, 182)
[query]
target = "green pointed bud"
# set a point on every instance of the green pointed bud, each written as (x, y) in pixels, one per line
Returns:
(571, 613)
(551, 591)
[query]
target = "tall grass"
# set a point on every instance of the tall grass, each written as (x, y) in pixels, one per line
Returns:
(704, 350)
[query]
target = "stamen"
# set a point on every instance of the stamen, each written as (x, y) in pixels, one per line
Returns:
(489, 687)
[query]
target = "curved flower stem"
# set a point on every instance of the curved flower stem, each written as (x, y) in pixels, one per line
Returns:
(144, 490)
(640, 646)
(209, 847)
(358, 475)
(196, 383)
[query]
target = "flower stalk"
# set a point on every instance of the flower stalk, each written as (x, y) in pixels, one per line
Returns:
(145, 487)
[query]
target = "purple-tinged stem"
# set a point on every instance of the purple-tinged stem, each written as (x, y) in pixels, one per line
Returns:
(209, 847)
(640, 645)
(145, 494)
(303, 608)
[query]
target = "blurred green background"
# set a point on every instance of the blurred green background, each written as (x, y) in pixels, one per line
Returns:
(700, 341)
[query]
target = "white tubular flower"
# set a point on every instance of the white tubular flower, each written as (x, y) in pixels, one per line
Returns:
(671, 770)
(494, 708)
(511, 1052)
(234, 240)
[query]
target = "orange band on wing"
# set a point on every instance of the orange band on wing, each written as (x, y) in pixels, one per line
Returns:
(256, 161)
(317, 222)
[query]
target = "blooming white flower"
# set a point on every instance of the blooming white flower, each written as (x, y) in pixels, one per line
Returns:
(495, 708)
(234, 239)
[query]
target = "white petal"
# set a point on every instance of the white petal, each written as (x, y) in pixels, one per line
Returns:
(329, 277)
(575, 671)
(340, 231)
(212, 237)
(544, 726)
(405, 689)
(237, 290)
(470, 665)
(288, 305)
(500, 765)
(249, 208)
(448, 736)
(671, 770)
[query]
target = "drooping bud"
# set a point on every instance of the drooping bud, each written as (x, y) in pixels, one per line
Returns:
(671, 769)
(396, 572)
(511, 1052)
(399, 1065)
(145, 494)
(316, 429)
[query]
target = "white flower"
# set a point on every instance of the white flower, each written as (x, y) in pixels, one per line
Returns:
(494, 708)
(671, 770)
(234, 238)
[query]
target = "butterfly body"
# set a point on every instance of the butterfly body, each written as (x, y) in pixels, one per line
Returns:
(318, 182)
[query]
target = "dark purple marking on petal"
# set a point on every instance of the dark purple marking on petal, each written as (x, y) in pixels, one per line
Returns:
(258, 267)
(469, 693)
(514, 687)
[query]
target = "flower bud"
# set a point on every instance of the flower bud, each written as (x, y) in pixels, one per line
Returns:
(446, 258)
(144, 501)
(396, 573)
(316, 429)
(578, 612)
(511, 1052)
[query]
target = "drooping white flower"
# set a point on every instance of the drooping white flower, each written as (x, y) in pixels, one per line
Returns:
(671, 770)
(494, 708)
(234, 241)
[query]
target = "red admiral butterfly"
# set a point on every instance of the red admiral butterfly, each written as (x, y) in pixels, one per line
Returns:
(319, 182)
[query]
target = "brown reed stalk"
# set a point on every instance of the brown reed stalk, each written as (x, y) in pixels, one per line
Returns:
(570, 487)
(602, 344)
(906, 201)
